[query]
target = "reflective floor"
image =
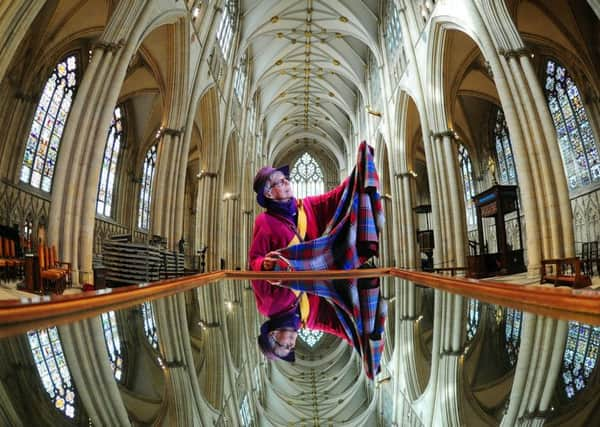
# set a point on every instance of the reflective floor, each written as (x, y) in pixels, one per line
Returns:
(192, 359)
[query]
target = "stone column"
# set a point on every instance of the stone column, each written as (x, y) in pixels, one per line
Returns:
(16, 19)
(408, 217)
(207, 215)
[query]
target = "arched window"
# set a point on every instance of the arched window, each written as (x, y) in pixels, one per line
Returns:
(506, 162)
(512, 334)
(393, 39)
(109, 164)
(580, 356)
(52, 367)
(307, 177)
(473, 317)
(150, 324)
(573, 129)
(310, 337)
(466, 168)
(113, 343)
(49, 123)
(374, 82)
(227, 27)
(146, 190)
(239, 85)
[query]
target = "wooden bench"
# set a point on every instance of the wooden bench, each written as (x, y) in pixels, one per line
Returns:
(564, 271)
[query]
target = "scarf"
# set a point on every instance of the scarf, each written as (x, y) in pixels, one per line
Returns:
(287, 210)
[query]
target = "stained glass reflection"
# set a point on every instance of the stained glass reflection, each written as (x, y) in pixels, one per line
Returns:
(113, 343)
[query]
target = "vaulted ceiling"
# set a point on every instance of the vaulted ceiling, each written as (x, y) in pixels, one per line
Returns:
(308, 64)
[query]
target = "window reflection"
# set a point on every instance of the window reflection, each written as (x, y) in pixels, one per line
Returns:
(113, 343)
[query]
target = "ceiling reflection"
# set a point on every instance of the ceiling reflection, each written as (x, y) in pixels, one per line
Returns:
(193, 357)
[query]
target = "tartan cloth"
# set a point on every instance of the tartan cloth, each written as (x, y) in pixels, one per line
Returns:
(350, 238)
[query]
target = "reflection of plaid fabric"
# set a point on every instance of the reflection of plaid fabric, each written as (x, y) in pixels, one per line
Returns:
(349, 239)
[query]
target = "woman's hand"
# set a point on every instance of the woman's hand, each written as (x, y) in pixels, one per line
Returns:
(269, 260)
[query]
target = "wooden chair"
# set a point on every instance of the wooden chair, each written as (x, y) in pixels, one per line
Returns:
(55, 264)
(12, 266)
(52, 279)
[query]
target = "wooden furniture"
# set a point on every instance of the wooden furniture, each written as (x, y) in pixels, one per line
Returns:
(425, 236)
(53, 279)
(11, 264)
(564, 271)
(451, 270)
(33, 278)
(590, 256)
(496, 203)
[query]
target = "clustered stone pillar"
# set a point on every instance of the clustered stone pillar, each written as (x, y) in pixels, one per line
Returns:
(450, 204)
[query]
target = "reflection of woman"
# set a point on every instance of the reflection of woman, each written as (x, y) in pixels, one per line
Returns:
(337, 230)
(288, 221)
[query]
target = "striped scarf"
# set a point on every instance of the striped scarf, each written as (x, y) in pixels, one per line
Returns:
(350, 238)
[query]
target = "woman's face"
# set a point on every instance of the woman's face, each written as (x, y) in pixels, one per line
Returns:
(284, 341)
(278, 187)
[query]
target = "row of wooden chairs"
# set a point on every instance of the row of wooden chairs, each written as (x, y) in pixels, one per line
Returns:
(10, 264)
(55, 274)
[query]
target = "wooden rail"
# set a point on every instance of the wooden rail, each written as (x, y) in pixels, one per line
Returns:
(19, 316)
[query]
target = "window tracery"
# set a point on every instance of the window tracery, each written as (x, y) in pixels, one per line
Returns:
(227, 27)
(49, 121)
(580, 356)
(113, 343)
(309, 336)
(574, 132)
(53, 369)
(466, 168)
(106, 185)
(146, 189)
(307, 177)
(150, 329)
(506, 162)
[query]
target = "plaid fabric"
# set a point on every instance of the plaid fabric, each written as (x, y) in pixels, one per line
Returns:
(350, 238)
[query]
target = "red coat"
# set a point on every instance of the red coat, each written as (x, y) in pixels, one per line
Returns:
(273, 232)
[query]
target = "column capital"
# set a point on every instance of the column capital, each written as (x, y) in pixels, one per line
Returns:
(247, 212)
(108, 46)
(448, 132)
(172, 131)
(206, 174)
(407, 174)
(511, 53)
(231, 196)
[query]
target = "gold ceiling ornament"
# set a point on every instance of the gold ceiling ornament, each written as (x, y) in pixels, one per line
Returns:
(279, 62)
(309, 10)
(343, 19)
(279, 35)
(285, 119)
(293, 41)
(308, 34)
(339, 35)
(282, 94)
(331, 94)
(336, 62)
(282, 72)
(274, 19)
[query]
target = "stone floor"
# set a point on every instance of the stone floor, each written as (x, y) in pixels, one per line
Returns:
(9, 289)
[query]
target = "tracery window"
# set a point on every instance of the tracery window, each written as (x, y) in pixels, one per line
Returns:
(307, 177)
(374, 82)
(506, 161)
(473, 317)
(41, 151)
(575, 136)
(245, 415)
(227, 27)
(106, 185)
(52, 367)
(512, 333)
(580, 356)
(466, 168)
(146, 189)
(113, 343)
(150, 324)
(239, 85)
(309, 336)
(393, 39)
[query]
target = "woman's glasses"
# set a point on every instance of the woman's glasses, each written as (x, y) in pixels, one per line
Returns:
(278, 183)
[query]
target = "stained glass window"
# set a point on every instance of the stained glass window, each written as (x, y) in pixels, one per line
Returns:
(506, 162)
(574, 132)
(310, 337)
(512, 333)
(307, 177)
(52, 367)
(579, 358)
(227, 27)
(466, 168)
(473, 316)
(146, 189)
(374, 83)
(245, 415)
(393, 38)
(113, 343)
(48, 124)
(109, 164)
(239, 85)
(150, 324)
